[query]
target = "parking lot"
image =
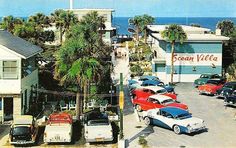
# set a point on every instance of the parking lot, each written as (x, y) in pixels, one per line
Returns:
(220, 123)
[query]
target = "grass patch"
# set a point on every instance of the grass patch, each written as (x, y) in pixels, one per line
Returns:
(142, 141)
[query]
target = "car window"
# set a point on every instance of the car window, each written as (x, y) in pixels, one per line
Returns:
(215, 76)
(165, 114)
(22, 130)
(161, 91)
(145, 90)
(153, 101)
(183, 116)
(98, 122)
(152, 92)
(204, 76)
(167, 101)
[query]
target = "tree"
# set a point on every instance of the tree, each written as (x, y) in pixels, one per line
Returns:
(79, 60)
(63, 21)
(147, 20)
(137, 23)
(9, 23)
(39, 20)
(226, 26)
(174, 33)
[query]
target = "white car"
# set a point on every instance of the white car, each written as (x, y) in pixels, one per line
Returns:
(180, 121)
(58, 128)
(97, 127)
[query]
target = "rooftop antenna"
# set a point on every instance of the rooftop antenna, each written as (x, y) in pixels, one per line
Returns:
(71, 4)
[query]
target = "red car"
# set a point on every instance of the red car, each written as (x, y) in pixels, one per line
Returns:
(211, 86)
(144, 92)
(157, 101)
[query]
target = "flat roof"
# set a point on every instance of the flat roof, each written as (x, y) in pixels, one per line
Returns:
(185, 28)
(197, 37)
(93, 9)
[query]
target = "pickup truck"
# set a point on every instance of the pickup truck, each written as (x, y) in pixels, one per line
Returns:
(97, 127)
(24, 130)
(58, 128)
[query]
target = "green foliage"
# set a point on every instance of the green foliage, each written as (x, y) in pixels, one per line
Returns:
(136, 70)
(226, 26)
(142, 141)
(174, 33)
(231, 70)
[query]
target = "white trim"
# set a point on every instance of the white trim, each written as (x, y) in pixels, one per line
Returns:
(8, 49)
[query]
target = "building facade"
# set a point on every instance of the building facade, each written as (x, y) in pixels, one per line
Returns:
(200, 53)
(18, 75)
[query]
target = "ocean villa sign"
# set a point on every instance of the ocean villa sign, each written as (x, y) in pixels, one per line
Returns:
(196, 58)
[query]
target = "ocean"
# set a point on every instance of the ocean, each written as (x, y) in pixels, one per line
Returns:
(121, 23)
(207, 22)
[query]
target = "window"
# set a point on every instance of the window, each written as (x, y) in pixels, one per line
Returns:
(10, 69)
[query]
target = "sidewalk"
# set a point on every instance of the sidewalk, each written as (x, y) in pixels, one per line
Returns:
(4, 131)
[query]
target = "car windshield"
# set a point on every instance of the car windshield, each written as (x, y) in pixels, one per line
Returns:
(22, 130)
(183, 116)
(161, 91)
(228, 86)
(98, 122)
(167, 101)
(215, 82)
(205, 76)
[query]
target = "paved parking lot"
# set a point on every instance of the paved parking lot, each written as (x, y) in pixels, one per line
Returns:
(219, 120)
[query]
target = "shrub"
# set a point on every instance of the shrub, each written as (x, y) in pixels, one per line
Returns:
(142, 141)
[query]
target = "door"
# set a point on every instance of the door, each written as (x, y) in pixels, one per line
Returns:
(8, 108)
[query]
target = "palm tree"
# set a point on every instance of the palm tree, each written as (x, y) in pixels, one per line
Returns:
(39, 20)
(226, 26)
(63, 21)
(174, 33)
(137, 22)
(9, 22)
(147, 20)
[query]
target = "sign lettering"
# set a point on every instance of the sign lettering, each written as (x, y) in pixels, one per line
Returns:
(196, 58)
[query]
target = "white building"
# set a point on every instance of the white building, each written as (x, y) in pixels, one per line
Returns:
(18, 74)
(200, 53)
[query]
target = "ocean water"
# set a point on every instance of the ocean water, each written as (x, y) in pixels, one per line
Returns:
(207, 22)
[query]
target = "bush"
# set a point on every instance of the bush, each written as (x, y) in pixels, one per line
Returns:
(231, 72)
(142, 141)
(136, 70)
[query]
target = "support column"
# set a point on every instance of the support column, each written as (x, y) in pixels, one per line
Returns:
(16, 105)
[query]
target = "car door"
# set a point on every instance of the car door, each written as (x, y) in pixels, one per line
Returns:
(163, 119)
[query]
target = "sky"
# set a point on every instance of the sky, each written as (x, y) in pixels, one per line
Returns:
(126, 8)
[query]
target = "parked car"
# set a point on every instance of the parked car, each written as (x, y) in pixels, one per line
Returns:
(24, 130)
(156, 101)
(176, 119)
(227, 89)
(58, 128)
(143, 78)
(169, 88)
(144, 92)
(211, 86)
(97, 127)
(204, 78)
(230, 100)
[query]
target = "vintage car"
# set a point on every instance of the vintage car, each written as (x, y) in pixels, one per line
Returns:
(169, 88)
(230, 100)
(204, 78)
(176, 119)
(156, 101)
(143, 78)
(24, 130)
(58, 128)
(211, 86)
(227, 89)
(97, 127)
(144, 92)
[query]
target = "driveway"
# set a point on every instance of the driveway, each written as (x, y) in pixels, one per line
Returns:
(219, 120)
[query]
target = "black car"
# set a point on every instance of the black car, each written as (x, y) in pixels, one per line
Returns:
(226, 90)
(230, 100)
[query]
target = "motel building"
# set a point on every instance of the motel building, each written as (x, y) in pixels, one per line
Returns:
(18, 75)
(200, 53)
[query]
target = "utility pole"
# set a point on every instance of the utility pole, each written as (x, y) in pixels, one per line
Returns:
(121, 104)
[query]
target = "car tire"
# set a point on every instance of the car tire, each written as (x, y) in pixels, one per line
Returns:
(147, 120)
(199, 93)
(138, 108)
(176, 129)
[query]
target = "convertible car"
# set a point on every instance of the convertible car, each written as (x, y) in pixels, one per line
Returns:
(144, 92)
(211, 86)
(176, 119)
(156, 101)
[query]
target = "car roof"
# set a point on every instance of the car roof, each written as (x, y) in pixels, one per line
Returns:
(151, 82)
(160, 98)
(153, 88)
(174, 111)
(23, 119)
(148, 77)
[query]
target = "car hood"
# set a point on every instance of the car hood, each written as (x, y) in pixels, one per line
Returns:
(192, 121)
(179, 105)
